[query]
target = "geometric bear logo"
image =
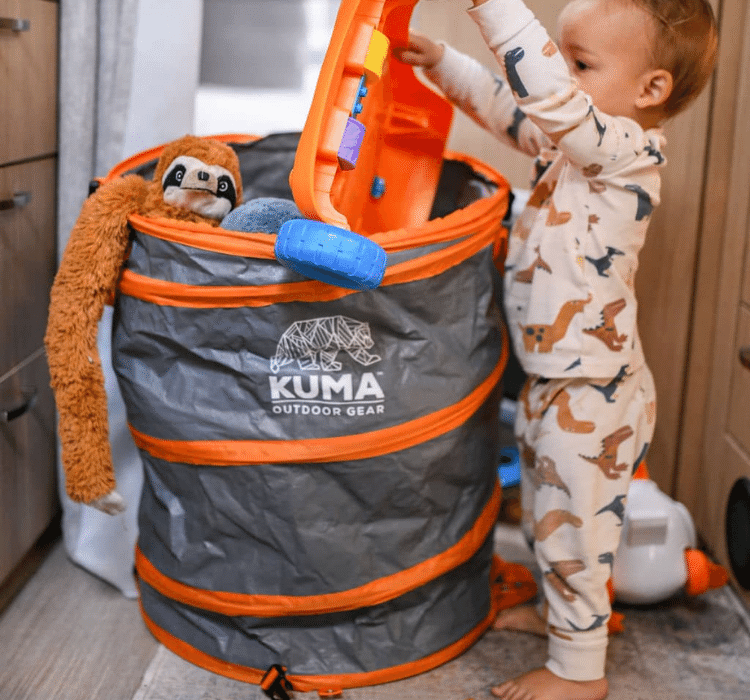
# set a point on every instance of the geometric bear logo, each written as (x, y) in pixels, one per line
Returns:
(315, 343)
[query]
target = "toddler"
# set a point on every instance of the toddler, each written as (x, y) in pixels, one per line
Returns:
(589, 110)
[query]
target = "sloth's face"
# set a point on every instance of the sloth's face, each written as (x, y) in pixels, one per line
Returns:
(208, 190)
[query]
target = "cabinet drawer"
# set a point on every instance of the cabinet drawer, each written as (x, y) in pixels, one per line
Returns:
(27, 257)
(28, 88)
(28, 495)
(739, 404)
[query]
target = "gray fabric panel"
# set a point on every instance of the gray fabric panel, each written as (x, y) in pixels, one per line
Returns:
(164, 260)
(319, 528)
(236, 374)
(174, 262)
(409, 628)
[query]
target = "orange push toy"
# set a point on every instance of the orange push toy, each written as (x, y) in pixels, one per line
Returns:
(334, 140)
(402, 126)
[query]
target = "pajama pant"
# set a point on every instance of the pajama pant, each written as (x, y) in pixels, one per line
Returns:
(580, 441)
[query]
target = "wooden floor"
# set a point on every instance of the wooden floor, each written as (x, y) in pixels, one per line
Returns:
(69, 636)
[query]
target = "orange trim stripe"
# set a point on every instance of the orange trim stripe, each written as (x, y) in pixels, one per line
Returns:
(437, 232)
(180, 295)
(437, 262)
(261, 245)
(372, 593)
(228, 453)
(312, 683)
(190, 296)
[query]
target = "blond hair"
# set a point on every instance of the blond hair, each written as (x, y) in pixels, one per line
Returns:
(685, 44)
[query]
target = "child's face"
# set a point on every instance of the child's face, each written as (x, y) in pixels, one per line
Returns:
(606, 44)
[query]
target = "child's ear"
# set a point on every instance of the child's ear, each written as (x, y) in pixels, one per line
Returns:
(656, 87)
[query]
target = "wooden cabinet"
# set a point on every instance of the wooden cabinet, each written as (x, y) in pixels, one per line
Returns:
(716, 446)
(28, 90)
(28, 499)
(28, 256)
(28, 167)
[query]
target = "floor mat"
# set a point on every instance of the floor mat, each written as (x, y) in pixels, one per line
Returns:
(682, 649)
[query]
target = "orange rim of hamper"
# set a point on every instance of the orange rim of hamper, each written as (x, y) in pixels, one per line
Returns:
(462, 222)
(196, 296)
(312, 683)
(373, 593)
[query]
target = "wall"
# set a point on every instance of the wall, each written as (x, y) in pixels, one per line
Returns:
(261, 104)
(165, 73)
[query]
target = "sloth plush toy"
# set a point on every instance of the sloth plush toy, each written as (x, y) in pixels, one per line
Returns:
(195, 180)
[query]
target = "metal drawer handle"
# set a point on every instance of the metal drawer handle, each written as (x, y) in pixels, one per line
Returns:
(15, 25)
(745, 356)
(18, 409)
(17, 201)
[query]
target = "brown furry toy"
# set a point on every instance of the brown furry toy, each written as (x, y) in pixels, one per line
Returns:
(196, 180)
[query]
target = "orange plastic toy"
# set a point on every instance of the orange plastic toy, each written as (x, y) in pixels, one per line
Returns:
(405, 128)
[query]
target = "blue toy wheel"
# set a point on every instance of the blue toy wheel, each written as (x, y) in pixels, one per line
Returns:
(330, 254)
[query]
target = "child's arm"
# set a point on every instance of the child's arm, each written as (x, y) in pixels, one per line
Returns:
(544, 89)
(475, 90)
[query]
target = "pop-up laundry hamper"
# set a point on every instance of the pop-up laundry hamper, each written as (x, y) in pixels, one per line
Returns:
(321, 463)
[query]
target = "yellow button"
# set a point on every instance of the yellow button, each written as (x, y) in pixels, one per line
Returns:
(377, 52)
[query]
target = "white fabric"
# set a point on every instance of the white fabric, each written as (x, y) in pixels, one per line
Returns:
(96, 53)
(96, 66)
(579, 444)
(105, 544)
(573, 659)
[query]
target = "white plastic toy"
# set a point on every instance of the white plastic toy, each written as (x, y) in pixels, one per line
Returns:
(658, 552)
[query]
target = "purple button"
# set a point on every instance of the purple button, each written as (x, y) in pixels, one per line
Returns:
(351, 141)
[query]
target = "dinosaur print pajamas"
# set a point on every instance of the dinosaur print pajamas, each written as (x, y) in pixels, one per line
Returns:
(586, 414)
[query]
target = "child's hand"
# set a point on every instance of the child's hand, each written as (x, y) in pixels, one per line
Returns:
(422, 51)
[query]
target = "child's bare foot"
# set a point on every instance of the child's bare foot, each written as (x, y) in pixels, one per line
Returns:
(523, 618)
(542, 684)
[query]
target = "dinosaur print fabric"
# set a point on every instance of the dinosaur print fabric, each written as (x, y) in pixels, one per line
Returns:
(573, 252)
(587, 413)
(581, 440)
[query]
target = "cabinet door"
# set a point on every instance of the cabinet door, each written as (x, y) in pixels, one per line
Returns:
(27, 257)
(28, 88)
(726, 454)
(28, 499)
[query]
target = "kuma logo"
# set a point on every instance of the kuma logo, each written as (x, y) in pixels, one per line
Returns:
(313, 348)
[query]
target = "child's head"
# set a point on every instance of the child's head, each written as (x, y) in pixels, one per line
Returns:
(643, 59)
(685, 43)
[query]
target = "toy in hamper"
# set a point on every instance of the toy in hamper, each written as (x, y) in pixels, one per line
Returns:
(320, 455)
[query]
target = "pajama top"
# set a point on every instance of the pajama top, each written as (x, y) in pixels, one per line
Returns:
(573, 252)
